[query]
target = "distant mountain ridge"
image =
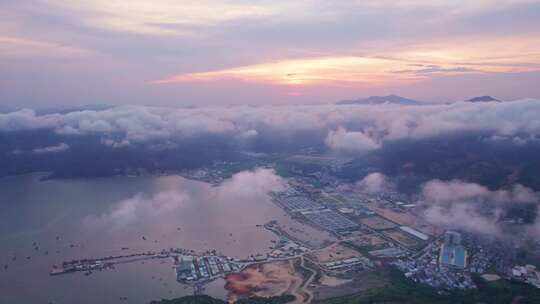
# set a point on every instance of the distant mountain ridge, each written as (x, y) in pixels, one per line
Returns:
(375, 100)
(483, 99)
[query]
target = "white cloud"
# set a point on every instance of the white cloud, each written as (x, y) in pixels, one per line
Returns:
(26, 119)
(341, 140)
(463, 216)
(22, 48)
(171, 196)
(516, 140)
(251, 184)
(165, 17)
(170, 17)
(52, 149)
(375, 183)
(137, 209)
(115, 144)
(459, 205)
(444, 192)
(350, 128)
(249, 134)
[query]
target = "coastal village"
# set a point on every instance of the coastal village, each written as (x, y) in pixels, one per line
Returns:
(364, 232)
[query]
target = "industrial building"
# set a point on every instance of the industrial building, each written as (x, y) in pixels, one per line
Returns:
(414, 232)
(330, 220)
(297, 203)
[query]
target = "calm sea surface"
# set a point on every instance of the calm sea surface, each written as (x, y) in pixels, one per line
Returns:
(45, 222)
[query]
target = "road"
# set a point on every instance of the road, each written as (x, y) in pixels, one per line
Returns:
(302, 293)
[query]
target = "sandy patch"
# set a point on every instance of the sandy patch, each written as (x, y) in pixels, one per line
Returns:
(366, 239)
(332, 281)
(377, 223)
(403, 219)
(335, 252)
(263, 280)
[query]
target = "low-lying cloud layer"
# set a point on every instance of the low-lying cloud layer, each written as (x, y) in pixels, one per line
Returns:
(52, 149)
(341, 140)
(61, 147)
(172, 196)
(472, 207)
(375, 183)
(459, 205)
(356, 128)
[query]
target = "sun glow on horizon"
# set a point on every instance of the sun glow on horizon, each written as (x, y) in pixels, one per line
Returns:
(407, 65)
(266, 51)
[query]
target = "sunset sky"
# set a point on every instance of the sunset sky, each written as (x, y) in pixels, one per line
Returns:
(68, 52)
